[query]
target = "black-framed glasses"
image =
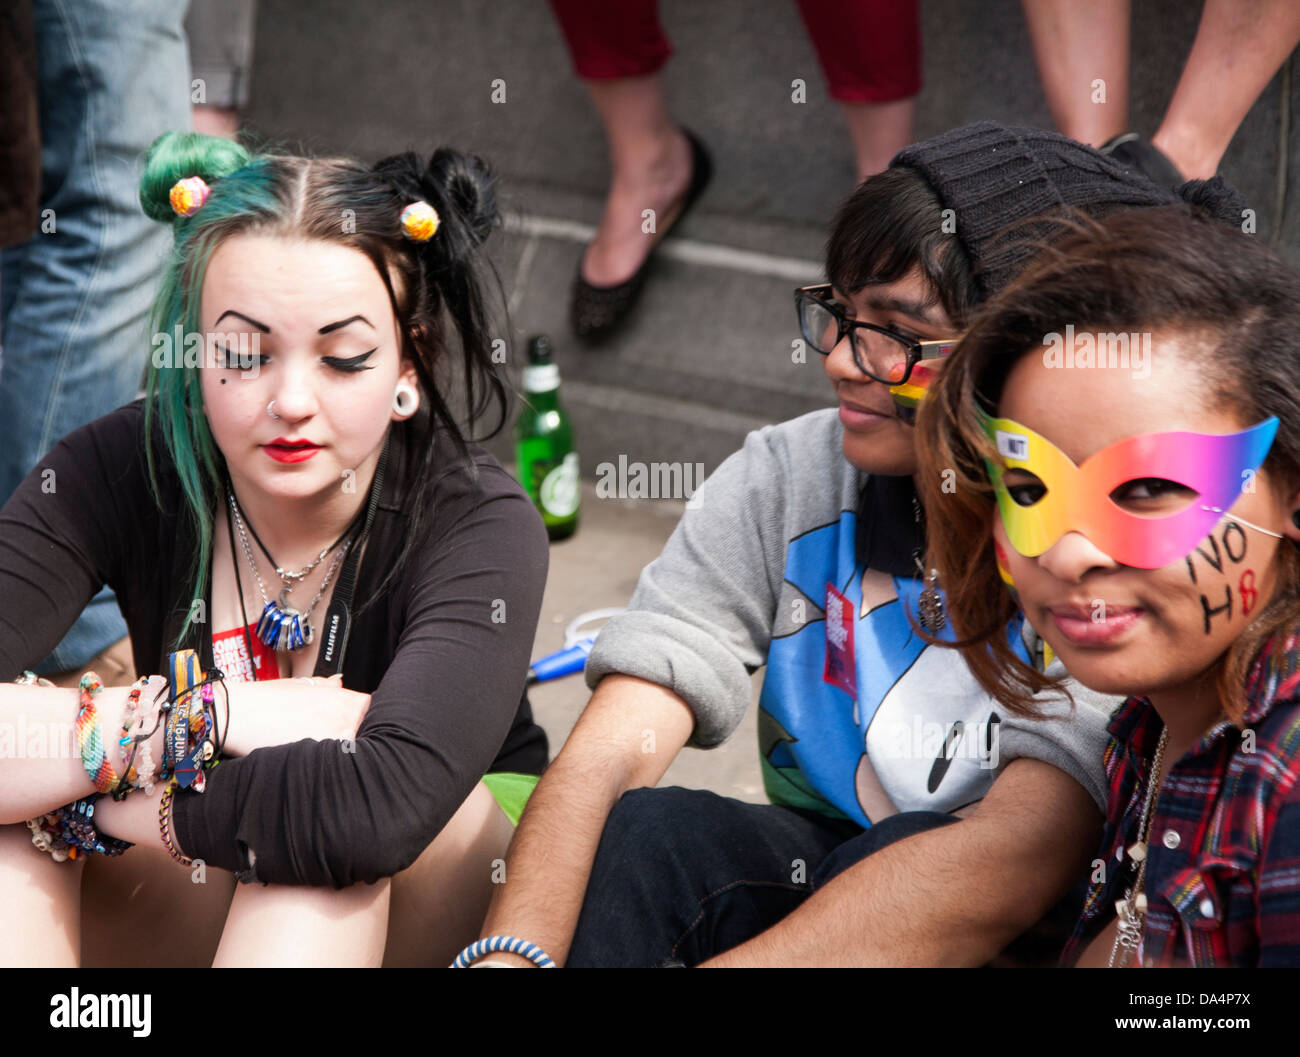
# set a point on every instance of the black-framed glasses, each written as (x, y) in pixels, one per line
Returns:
(881, 354)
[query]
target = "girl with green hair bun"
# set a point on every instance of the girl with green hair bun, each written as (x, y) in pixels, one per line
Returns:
(297, 405)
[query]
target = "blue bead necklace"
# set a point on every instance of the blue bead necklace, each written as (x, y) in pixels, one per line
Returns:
(281, 626)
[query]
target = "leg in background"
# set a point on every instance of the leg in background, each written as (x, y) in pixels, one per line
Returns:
(1077, 45)
(870, 54)
(619, 50)
(221, 54)
(1239, 46)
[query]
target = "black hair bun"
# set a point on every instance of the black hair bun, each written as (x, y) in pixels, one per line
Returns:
(459, 186)
(467, 183)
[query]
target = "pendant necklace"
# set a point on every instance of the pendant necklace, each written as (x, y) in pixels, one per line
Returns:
(281, 626)
(1131, 911)
(931, 605)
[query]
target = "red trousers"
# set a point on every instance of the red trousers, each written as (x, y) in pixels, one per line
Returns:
(870, 50)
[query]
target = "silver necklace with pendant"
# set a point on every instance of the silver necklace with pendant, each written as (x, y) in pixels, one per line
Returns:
(281, 626)
(1131, 911)
(933, 617)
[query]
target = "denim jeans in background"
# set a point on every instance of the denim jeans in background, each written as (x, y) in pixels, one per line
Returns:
(75, 301)
(685, 874)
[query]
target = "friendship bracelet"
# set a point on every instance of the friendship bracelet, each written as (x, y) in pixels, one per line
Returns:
(164, 825)
(68, 832)
(89, 739)
(509, 944)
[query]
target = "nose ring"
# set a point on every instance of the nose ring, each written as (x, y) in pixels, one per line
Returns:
(270, 409)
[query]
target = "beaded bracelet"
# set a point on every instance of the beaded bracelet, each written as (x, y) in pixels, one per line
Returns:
(69, 832)
(139, 724)
(130, 779)
(164, 825)
(30, 678)
(509, 944)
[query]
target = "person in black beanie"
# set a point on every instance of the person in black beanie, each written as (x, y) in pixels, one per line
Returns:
(803, 557)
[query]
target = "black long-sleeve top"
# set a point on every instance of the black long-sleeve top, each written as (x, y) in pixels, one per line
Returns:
(443, 651)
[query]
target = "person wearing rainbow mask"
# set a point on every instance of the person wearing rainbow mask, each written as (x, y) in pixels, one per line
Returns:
(1149, 529)
(803, 557)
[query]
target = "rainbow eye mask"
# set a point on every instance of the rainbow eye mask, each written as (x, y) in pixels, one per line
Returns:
(1077, 498)
(908, 395)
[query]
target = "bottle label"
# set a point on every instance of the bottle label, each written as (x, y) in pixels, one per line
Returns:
(561, 489)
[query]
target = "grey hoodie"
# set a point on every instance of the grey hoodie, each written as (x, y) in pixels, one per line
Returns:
(859, 717)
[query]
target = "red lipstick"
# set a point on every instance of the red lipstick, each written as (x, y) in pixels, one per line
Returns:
(282, 449)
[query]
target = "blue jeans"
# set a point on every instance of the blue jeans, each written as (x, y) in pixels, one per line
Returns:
(75, 297)
(685, 874)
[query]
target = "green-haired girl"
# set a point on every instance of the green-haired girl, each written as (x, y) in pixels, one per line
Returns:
(293, 500)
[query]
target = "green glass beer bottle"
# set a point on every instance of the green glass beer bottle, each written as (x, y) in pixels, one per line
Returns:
(547, 464)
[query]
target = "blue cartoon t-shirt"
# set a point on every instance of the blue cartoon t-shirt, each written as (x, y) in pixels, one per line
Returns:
(777, 564)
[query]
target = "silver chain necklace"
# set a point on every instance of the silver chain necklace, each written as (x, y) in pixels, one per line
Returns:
(1131, 911)
(281, 626)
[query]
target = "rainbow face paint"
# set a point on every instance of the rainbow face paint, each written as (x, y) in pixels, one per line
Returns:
(1004, 570)
(908, 396)
(1078, 498)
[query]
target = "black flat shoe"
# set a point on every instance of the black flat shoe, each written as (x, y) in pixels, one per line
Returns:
(596, 311)
(1134, 152)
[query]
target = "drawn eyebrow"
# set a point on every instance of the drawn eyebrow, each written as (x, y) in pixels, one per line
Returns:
(247, 319)
(331, 327)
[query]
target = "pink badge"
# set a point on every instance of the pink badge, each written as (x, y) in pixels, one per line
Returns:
(840, 668)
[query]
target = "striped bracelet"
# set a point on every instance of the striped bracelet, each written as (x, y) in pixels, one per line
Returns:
(509, 944)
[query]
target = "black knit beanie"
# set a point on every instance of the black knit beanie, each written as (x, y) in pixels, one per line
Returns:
(997, 178)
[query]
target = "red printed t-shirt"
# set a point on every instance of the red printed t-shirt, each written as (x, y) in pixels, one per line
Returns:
(230, 653)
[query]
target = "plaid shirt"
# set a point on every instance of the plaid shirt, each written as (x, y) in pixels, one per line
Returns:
(1223, 868)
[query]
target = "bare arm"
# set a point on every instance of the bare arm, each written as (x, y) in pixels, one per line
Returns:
(951, 896)
(41, 769)
(552, 852)
(40, 763)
